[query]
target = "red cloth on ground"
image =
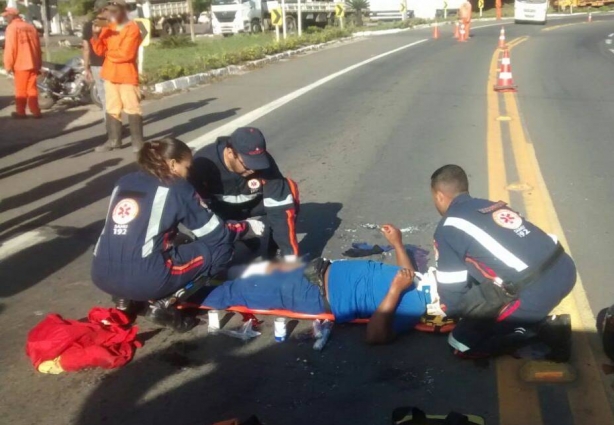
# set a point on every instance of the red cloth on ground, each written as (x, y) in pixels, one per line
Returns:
(105, 340)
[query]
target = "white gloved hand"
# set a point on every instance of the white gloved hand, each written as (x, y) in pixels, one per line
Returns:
(290, 258)
(256, 226)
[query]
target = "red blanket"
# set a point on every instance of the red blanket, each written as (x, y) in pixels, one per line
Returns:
(105, 340)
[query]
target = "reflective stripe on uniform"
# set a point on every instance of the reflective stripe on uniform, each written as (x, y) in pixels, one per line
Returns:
(452, 277)
(455, 343)
(211, 225)
(153, 227)
(107, 219)
(270, 202)
(488, 242)
(237, 199)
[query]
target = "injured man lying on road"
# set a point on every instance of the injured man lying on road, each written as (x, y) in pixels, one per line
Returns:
(348, 289)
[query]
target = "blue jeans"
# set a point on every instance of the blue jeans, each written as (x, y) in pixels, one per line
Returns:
(279, 290)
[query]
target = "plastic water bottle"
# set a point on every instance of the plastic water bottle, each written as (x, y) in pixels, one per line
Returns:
(280, 329)
(213, 326)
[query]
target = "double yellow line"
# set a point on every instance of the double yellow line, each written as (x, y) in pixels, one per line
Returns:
(519, 402)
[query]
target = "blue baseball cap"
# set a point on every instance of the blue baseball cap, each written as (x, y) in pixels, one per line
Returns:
(249, 143)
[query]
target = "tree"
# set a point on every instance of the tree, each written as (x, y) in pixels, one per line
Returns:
(359, 6)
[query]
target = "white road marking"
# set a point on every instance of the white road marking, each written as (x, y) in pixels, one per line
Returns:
(611, 35)
(21, 242)
(252, 116)
(612, 50)
(608, 41)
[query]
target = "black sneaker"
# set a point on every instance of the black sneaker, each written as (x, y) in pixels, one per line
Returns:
(555, 332)
(170, 318)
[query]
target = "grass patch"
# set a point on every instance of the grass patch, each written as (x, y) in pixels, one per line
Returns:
(57, 55)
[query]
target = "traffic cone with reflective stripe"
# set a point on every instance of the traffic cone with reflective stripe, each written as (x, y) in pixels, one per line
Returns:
(502, 39)
(505, 82)
(457, 31)
(463, 33)
(436, 31)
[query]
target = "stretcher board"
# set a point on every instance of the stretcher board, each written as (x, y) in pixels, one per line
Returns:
(435, 325)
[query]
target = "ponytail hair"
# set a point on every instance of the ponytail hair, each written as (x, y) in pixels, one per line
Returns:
(153, 156)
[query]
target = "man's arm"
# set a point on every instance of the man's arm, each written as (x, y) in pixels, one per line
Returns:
(87, 34)
(394, 237)
(10, 48)
(379, 329)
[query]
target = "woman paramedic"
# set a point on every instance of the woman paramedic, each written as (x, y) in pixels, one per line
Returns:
(135, 258)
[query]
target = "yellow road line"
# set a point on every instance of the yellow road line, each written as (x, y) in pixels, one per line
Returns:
(556, 27)
(518, 402)
(587, 397)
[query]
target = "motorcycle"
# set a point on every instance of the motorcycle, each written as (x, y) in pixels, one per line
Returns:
(58, 82)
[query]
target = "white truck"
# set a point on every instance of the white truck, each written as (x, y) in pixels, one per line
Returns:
(167, 18)
(243, 16)
(390, 10)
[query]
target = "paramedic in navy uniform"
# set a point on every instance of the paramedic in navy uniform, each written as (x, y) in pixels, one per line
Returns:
(239, 179)
(135, 258)
(499, 273)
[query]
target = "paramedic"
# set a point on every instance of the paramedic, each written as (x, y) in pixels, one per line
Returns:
(499, 273)
(238, 179)
(349, 289)
(134, 258)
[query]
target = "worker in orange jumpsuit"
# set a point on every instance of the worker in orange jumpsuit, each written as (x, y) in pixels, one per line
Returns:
(465, 16)
(22, 57)
(118, 42)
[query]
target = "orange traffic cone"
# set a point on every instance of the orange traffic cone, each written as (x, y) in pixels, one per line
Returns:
(456, 31)
(505, 82)
(463, 34)
(502, 39)
(436, 31)
(590, 17)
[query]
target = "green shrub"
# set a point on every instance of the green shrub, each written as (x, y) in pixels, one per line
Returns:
(175, 41)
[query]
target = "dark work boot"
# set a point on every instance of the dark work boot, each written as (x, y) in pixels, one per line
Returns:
(555, 332)
(136, 131)
(170, 318)
(114, 135)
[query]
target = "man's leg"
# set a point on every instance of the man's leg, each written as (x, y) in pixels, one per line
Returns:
(100, 88)
(21, 93)
(113, 104)
(32, 93)
(279, 290)
(131, 100)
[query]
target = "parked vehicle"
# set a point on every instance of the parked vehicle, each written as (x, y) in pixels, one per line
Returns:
(531, 11)
(237, 16)
(167, 18)
(58, 82)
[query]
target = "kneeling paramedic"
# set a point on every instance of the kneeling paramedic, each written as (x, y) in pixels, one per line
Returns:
(239, 179)
(349, 289)
(135, 258)
(499, 273)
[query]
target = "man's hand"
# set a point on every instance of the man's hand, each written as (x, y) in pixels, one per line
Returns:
(256, 226)
(403, 280)
(96, 30)
(392, 235)
(88, 76)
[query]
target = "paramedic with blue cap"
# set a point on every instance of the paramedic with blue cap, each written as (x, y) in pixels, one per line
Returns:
(136, 257)
(499, 273)
(238, 179)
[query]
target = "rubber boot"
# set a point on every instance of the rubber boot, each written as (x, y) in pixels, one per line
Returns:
(170, 318)
(136, 131)
(555, 331)
(114, 134)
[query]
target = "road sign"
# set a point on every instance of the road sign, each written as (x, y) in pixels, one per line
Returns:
(403, 8)
(277, 17)
(481, 4)
(445, 5)
(340, 10)
(145, 27)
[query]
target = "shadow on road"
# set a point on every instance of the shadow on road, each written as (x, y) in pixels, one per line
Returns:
(194, 124)
(319, 222)
(173, 111)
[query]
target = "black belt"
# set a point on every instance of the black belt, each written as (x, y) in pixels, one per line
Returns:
(315, 272)
(513, 288)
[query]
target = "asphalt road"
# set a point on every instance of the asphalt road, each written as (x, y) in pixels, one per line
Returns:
(362, 147)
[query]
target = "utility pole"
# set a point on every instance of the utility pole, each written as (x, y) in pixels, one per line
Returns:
(191, 13)
(45, 19)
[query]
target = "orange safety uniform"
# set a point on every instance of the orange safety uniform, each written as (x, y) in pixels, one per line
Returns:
(464, 13)
(22, 56)
(119, 45)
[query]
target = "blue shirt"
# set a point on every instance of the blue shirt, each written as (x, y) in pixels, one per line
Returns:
(356, 289)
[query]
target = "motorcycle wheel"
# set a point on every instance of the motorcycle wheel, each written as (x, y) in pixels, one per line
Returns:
(94, 96)
(45, 100)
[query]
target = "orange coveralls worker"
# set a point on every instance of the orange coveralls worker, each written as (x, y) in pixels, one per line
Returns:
(119, 45)
(465, 16)
(22, 57)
